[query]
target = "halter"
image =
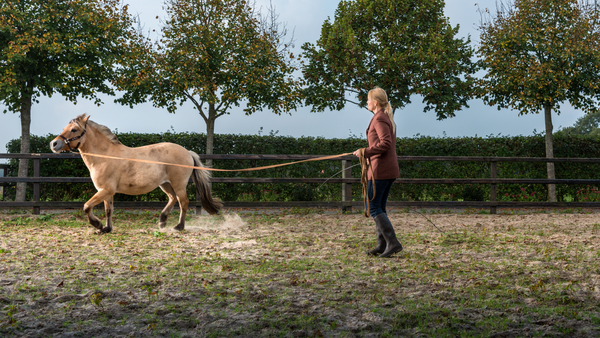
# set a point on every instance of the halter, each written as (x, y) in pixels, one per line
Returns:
(68, 140)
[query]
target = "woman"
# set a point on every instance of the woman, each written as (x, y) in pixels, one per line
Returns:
(381, 154)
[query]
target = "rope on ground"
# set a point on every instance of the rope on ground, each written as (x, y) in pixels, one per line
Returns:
(428, 220)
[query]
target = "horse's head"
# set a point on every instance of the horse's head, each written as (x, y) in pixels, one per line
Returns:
(72, 135)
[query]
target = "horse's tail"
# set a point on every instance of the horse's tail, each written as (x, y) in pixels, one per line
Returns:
(201, 179)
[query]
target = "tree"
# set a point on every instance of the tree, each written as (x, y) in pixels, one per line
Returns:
(58, 46)
(588, 124)
(538, 54)
(216, 54)
(406, 47)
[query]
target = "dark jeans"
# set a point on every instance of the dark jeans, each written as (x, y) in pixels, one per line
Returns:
(382, 190)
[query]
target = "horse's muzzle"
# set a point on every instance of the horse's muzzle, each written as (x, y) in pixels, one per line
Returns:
(57, 145)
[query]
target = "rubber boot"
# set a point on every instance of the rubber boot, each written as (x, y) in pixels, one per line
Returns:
(381, 244)
(387, 230)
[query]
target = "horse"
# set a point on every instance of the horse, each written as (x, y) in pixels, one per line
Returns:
(111, 176)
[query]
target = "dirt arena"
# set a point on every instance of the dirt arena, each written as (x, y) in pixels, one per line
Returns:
(302, 273)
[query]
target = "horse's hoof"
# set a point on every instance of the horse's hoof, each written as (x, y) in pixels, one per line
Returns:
(179, 227)
(96, 224)
(162, 225)
(106, 230)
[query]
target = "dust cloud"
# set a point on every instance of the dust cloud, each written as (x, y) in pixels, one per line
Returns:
(226, 222)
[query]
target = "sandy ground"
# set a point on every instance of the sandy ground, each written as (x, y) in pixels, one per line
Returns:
(498, 245)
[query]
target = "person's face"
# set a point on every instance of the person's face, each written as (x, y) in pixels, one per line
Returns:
(371, 104)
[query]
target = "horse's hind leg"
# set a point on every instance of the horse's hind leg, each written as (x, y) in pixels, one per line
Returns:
(108, 210)
(184, 201)
(88, 207)
(168, 189)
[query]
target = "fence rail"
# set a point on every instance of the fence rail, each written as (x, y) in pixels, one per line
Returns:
(346, 181)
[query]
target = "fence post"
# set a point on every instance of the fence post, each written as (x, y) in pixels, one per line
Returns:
(36, 185)
(494, 174)
(347, 187)
(4, 168)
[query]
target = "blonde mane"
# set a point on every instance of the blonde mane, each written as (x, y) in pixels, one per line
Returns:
(102, 129)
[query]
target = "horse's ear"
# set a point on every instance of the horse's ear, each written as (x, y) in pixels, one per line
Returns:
(85, 119)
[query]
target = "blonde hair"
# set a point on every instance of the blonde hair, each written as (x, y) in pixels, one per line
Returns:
(380, 96)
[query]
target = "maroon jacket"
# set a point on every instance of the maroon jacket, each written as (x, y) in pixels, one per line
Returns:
(382, 148)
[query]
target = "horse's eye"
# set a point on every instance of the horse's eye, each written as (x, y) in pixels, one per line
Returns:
(73, 130)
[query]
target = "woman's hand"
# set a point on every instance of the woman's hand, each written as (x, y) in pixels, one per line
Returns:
(356, 152)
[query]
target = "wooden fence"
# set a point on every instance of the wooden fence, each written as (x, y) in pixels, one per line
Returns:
(346, 182)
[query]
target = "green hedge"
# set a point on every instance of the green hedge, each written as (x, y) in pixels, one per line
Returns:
(503, 146)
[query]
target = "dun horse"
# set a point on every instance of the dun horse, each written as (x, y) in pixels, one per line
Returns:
(112, 176)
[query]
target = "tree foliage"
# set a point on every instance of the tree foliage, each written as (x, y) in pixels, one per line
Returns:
(59, 46)
(216, 54)
(541, 53)
(406, 47)
(588, 124)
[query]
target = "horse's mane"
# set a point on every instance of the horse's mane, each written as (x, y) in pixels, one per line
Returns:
(102, 129)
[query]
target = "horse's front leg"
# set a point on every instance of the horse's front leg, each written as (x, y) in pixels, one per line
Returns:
(108, 210)
(100, 196)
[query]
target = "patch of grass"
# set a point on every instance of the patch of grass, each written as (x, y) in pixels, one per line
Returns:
(404, 210)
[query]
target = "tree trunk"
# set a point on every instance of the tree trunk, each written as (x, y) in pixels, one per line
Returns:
(25, 144)
(210, 132)
(549, 152)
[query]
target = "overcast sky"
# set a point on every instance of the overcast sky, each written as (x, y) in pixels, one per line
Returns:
(306, 18)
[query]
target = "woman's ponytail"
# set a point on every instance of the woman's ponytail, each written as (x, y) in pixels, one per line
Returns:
(380, 96)
(390, 113)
